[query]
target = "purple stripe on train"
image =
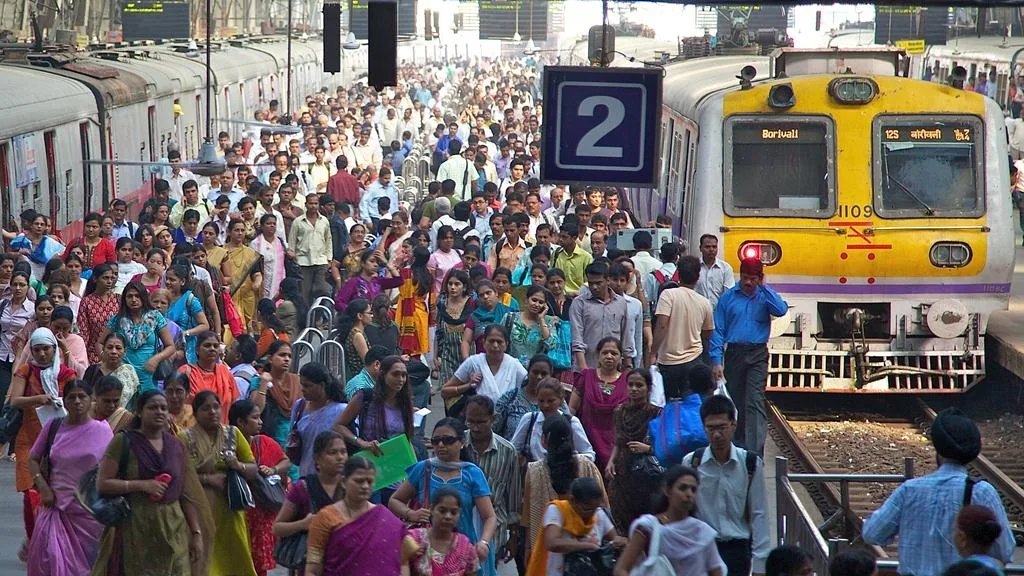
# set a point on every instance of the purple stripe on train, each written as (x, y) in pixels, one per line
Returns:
(891, 288)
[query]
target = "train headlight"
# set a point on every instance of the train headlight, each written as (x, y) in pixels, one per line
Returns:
(950, 254)
(781, 96)
(853, 90)
(768, 252)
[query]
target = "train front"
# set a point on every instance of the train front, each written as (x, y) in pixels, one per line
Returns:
(880, 206)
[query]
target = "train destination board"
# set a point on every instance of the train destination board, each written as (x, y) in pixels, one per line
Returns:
(358, 18)
(760, 132)
(149, 20)
(500, 19)
(930, 133)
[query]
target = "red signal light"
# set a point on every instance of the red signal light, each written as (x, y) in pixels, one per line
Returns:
(752, 251)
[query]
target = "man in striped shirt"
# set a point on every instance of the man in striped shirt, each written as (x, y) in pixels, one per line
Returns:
(500, 463)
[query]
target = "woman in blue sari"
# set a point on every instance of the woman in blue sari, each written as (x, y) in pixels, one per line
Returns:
(186, 309)
(451, 469)
(36, 247)
(143, 330)
(488, 311)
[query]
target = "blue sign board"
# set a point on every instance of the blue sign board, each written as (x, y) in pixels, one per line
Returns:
(601, 125)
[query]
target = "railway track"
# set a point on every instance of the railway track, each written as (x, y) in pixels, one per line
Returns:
(842, 441)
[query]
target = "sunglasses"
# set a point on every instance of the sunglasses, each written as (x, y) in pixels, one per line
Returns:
(445, 440)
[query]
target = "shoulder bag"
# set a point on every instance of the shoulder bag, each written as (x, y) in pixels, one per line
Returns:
(267, 491)
(51, 435)
(107, 510)
(238, 492)
(290, 552)
(293, 444)
(655, 564)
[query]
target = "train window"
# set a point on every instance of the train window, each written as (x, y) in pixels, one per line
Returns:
(928, 166)
(783, 166)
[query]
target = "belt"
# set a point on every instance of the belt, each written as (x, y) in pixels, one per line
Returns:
(745, 345)
(734, 541)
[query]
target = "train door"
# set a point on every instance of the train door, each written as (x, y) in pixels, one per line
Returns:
(5, 185)
(87, 169)
(244, 104)
(682, 227)
(675, 197)
(151, 132)
(679, 145)
(226, 113)
(49, 147)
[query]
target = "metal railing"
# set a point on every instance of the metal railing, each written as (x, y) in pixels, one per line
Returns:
(796, 526)
(794, 523)
(320, 318)
(332, 354)
(302, 353)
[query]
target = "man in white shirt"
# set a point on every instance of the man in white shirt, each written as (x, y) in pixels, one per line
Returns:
(366, 151)
(516, 174)
(642, 260)
(460, 170)
(716, 275)
(731, 491)
(178, 175)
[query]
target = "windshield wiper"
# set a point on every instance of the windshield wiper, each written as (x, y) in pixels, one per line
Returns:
(928, 210)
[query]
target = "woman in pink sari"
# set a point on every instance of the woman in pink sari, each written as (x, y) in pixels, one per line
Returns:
(354, 537)
(66, 538)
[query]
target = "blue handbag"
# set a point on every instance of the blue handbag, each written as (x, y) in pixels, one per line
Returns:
(677, 431)
(561, 356)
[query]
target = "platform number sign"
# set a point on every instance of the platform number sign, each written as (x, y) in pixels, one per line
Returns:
(601, 125)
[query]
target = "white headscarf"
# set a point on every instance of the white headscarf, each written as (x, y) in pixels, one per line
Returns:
(47, 374)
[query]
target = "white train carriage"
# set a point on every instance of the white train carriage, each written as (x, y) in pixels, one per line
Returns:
(48, 127)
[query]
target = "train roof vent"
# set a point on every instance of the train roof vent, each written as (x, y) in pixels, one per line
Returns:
(92, 70)
(237, 42)
(109, 55)
(876, 61)
(51, 60)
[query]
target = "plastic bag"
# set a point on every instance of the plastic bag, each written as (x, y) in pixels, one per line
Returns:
(722, 390)
(657, 387)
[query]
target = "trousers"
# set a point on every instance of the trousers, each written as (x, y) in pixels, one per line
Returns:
(746, 375)
(314, 283)
(737, 556)
(676, 378)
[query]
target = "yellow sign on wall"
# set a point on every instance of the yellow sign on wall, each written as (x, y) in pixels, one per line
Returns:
(911, 46)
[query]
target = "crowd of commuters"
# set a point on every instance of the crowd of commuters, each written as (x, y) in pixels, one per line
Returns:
(154, 359)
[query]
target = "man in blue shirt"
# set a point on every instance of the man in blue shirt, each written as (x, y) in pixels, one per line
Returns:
(382, 187)
(923, 511)
(743, 320)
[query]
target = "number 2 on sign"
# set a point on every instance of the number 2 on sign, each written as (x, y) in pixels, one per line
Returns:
(587, 145)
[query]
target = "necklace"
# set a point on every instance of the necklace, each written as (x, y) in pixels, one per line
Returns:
(607, 387)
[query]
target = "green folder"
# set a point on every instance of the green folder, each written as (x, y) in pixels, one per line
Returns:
(396, 456)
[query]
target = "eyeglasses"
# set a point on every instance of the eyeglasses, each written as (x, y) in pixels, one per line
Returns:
(717, 428)
(445, 440)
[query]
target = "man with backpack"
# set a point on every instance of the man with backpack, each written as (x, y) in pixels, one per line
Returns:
(922, 511)
(732, 491)
(667, 276)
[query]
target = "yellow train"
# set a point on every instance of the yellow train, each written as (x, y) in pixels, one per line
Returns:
(879, 203)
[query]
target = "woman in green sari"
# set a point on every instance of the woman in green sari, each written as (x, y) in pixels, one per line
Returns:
(169, 535)
(214, 449)
(242, 270)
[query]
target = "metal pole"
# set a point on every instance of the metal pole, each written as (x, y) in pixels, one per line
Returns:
(781, 472)
(209, 84)
(289, 64)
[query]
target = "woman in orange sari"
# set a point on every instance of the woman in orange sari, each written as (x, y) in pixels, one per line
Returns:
(208, 373)
(37, 389)
(414, 302)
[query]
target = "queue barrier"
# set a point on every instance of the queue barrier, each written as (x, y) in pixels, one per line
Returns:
(332, 354)
(320, 318)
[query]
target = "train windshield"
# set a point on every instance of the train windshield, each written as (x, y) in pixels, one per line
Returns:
(928, 166)
(779, 167)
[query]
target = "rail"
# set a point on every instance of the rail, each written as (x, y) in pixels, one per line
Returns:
(332, 354)
(321, 318)
(794, 523)
(302, 353)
